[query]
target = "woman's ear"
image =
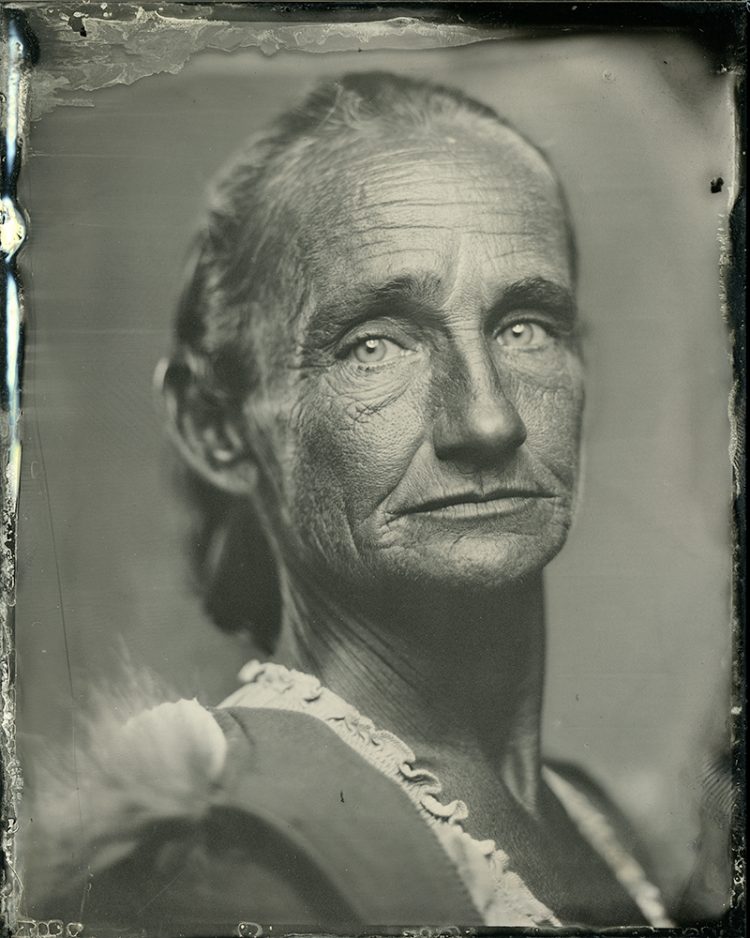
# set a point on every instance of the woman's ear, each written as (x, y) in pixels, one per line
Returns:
(207, 430)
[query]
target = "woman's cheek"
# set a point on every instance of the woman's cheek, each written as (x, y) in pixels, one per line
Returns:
(552, 415)
(354, 448)
(366, 390)
(555, 367)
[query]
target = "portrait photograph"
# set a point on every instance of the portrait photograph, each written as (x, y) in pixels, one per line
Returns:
(371, 462)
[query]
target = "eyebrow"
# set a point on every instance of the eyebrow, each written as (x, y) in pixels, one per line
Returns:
(421, 296)
(538, 293)
(414, 297)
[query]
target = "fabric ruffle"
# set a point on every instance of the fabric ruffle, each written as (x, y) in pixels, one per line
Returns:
(499, 893)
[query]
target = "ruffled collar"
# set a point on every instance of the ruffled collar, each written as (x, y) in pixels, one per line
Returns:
(499, 893)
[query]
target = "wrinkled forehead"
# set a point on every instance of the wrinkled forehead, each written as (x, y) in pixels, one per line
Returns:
(371, 206)
(468, 208)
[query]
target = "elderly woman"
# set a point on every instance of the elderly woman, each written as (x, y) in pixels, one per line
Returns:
(377, 364)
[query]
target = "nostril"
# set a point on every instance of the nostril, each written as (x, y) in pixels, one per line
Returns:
(476, 420)
(479, 431)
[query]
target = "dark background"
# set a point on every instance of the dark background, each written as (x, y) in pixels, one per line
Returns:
(638, 603)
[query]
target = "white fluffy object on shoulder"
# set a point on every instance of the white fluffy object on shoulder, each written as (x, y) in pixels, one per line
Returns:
(162, 763)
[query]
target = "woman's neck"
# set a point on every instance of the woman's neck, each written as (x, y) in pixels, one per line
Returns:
(458, 677)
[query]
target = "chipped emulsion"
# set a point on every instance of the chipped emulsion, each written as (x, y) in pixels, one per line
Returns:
(14, 61)
(122, 43)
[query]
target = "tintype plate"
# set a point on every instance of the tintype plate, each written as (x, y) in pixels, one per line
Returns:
(324, 415)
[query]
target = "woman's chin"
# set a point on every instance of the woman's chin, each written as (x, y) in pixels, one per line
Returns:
(477, 559)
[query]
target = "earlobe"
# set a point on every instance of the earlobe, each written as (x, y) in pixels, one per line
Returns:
(206, 429)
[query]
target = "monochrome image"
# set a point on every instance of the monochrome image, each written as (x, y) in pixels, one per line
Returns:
(374, 558)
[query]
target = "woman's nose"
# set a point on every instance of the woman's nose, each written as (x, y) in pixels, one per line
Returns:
(477, 423)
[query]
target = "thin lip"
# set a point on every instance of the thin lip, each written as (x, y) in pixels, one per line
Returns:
(473, 498)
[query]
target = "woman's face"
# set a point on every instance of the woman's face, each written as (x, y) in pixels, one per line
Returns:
(420, 423)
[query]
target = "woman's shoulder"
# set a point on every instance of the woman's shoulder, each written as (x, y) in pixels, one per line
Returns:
(282, 806)
(183, 813)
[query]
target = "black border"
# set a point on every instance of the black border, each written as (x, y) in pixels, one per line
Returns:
(720, 29)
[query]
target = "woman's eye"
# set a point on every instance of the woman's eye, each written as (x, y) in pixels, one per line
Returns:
(375, 349)
(524, 335)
